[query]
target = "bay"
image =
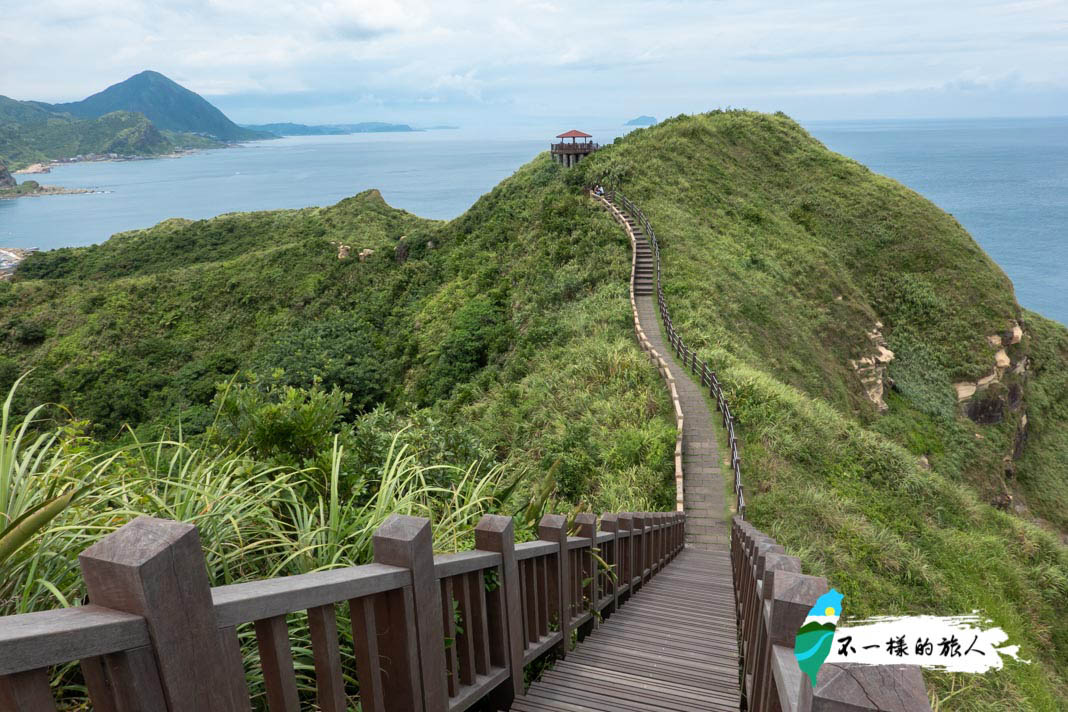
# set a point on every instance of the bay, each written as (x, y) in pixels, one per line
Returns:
(1005, 180)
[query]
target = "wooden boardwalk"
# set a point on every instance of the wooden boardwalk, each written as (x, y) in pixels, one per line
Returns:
(706, 525)
(672, 647)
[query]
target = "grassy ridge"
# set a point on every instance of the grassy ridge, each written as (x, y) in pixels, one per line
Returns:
(779, 259)
(504, 336)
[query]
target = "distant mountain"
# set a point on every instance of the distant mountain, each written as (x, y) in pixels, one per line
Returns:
(166, 103)
(30, 134)
(290, 129)
(642, 121)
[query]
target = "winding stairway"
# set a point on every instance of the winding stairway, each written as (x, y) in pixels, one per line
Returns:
(674, 648)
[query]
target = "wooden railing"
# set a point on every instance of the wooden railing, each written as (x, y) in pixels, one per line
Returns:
(430, 633)
(773, 598)
(586, 147)
(688, 356)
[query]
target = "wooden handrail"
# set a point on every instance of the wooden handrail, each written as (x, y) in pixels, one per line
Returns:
(772, 599)
(687, 355)
(431, 633)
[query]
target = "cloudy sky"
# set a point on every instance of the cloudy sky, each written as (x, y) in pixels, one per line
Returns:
(525, 61)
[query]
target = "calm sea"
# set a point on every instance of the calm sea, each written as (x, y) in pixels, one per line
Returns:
(1005, 180)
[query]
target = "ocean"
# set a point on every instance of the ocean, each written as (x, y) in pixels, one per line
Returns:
(1005, 180)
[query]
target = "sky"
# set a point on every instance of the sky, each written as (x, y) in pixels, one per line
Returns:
(516, 62)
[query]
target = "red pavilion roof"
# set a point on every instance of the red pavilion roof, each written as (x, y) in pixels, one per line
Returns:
(574, 134)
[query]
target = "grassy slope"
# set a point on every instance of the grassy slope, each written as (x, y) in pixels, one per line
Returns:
(779, 256)
(513, 326)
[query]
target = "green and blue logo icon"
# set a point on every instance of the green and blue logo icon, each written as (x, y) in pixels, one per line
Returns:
(816, 635)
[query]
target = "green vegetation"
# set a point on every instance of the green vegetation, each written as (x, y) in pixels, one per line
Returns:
(29, 134)
(780, 257)
(165, 103)
(146, 115)
(493, 356)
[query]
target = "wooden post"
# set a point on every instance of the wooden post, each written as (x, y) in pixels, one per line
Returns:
(610, 523)
(626, 523)
(126, 682)
(791, 598)
(26, 691)
(553, 527)
(154, 568)
(763, 680)
(587, 527)
(844, 688)
(405, 541)
(496, 533)
(641, 521)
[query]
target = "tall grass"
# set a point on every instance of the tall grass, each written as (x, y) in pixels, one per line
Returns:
(255, 521)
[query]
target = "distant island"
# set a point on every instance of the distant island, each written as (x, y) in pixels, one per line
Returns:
(291, 129)
(642, 121)
(144, 116)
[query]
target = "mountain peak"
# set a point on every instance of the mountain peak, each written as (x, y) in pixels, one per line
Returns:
(165, 102)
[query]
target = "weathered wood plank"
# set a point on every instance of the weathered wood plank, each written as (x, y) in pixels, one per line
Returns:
(26, 692)
(276, 659)
(406, 541)
(154, 568)
(365, 647)
(329, 678)
(247, 602)
(36, 640)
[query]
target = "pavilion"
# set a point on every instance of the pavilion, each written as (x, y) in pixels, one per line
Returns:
(569, 154)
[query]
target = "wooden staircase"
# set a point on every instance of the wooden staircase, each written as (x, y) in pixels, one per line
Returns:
(644, 277)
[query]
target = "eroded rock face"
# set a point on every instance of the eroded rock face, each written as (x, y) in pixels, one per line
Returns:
(365, 253)
(1003, 365)
(343, 252)
(6, 181)
(871, 370)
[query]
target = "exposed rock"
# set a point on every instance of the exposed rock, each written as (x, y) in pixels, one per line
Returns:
(1016, 335)
(365, 253)
(924, 462)
(1020, 439)
(988, 407)
(994, 339)
(965, 390)
(871, 370)
(1001, 359)
(6, 181)
(430, 244)
(343, 251)
(1002, 501)
(987, 379)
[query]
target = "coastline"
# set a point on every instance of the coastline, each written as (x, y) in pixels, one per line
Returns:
(46, 190)
(10, 257)
(46, 167)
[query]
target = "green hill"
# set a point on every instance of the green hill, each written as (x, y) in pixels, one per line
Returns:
(506, 335)
(166, 103)
(29, 134)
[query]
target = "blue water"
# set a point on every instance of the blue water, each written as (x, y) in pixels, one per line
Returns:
(1006, 181)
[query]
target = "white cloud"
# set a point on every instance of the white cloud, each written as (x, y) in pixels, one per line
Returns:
(537, 56)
